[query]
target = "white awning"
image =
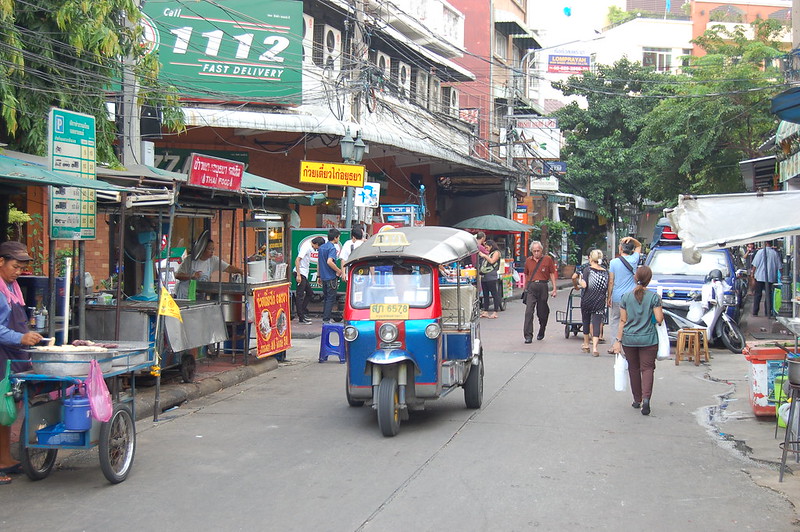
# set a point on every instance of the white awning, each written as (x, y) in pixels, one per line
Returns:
(723, 220)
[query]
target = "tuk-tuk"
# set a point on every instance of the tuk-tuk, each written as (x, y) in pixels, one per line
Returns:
(411, 334)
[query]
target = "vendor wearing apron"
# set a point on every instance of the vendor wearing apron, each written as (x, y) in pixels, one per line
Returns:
(14, 334)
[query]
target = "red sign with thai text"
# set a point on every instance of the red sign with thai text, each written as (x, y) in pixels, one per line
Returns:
(272, 322)
(217, 173)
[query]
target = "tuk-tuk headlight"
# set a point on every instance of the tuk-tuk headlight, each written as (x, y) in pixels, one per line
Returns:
(350, 333)
(730, 300)
(388, 332)
(433, 330)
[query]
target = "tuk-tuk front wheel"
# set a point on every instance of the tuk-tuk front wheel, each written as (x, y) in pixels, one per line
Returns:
(473, 387)
(388, 407)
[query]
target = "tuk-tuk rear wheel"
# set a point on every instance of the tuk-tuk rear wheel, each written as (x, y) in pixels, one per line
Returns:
(388, 407)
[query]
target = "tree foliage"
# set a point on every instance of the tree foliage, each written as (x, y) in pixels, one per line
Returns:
(68, 54)
(601, 139)
(646, 135)
(720, 115)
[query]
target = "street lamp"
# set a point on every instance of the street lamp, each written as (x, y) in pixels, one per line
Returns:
(352, 153)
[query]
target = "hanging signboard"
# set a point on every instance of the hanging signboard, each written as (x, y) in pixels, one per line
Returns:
(71, 150)
(342, 175)
(272, 322)
(568, 63)
(242, 50)
(212, 172)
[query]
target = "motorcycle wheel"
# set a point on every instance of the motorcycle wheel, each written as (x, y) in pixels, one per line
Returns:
(731, 336)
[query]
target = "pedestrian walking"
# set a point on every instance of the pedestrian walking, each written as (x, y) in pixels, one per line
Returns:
(14, 335)
(539, 268)
(640, 311)
(329, 272)
(595, 298)
(749, 255)
(622, 270)
(302, 265)
(765, 268)
(490, 281)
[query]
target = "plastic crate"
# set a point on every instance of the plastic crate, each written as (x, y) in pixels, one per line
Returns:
(58, 435)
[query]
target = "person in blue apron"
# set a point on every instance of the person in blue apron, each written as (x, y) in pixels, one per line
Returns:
(14, 335)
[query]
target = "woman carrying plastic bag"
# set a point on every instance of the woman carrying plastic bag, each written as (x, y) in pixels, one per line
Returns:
(640, 311)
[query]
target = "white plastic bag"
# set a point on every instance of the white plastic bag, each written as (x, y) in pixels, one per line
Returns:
(663, 341)
(99, 398)
(620, 373)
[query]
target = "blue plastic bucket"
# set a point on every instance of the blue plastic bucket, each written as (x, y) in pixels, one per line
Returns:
(77, 414)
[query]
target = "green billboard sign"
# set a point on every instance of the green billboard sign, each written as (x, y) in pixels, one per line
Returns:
(230, 50)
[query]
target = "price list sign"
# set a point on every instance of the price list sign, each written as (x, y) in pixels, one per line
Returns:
(71, 150)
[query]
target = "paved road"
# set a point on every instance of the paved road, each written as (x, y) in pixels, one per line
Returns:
(553, 448)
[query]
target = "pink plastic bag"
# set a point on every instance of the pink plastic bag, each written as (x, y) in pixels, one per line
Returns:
(99, 398)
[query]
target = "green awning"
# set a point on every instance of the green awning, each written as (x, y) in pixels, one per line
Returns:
(17, 171)
(255, 185)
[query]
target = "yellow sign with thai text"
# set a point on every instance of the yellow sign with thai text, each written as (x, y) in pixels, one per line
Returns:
(342, 175)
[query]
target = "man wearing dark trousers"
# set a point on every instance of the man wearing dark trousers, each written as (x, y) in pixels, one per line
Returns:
(329, 273)
(302, 265)
(766, 264)
(538, 269)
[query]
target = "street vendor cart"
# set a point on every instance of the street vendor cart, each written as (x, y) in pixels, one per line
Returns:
(57, 417)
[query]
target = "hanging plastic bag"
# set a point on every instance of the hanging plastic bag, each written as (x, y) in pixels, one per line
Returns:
(620, 373)
(99, 398)
(663, 341)
(8, 408)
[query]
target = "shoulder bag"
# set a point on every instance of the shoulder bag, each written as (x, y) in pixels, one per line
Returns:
(524, 296)
(8, 409)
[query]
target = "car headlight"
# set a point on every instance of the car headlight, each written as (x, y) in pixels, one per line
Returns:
(388, 332)
(670, 293)
(433, 331)
(350, 333)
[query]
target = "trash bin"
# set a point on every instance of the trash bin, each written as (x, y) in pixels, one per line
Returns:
(766, 363)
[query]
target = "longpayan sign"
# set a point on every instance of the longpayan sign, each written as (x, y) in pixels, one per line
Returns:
(232, 50)
(342, 175)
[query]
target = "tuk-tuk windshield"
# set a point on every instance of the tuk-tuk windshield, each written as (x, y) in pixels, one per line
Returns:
(391, 282)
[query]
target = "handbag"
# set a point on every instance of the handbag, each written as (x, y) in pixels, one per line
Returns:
(663, 341)
(99, 398)
(8, 408)
(620, 370)
(488, 267)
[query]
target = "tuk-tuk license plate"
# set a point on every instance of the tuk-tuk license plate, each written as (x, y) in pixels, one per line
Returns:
(388, 311)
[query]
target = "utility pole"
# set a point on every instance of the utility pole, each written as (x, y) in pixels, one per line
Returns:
(130, 136)
(358, 53)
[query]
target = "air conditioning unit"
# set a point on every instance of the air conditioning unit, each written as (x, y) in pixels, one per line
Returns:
(308, 40)
(402, 77)
(421, 88)
(435, 96)
(330, 43)
(450, 101)
(383, 62)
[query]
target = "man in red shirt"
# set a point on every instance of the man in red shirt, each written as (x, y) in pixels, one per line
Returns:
(538, 269)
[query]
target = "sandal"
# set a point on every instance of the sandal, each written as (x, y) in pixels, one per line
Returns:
(484, 314)
(585, 348)
(5, 479)
(492, 316)
(595, 353)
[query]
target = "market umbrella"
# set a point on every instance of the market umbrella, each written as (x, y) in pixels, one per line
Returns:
(493, 222)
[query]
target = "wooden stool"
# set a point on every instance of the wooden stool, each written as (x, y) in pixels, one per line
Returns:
(689, 343)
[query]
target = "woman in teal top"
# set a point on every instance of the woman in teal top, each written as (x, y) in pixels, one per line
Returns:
(640, 310)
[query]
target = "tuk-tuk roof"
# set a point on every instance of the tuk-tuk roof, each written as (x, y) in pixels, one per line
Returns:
(430, 243)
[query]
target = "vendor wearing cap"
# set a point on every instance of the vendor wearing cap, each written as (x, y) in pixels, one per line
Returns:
(200, 266)
(14, 334)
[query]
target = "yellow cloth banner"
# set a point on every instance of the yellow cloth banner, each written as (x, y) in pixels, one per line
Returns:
(167, 306)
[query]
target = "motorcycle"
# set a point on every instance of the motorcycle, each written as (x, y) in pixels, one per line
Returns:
(707, 310)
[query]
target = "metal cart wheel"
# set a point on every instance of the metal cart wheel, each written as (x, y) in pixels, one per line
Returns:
(388, 407)
(567, 330)
(188, 367)
(117, 445)
(37, 463)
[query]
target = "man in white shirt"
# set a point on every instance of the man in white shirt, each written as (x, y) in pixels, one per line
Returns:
(356, 239)
(201, 269)
(302, 265)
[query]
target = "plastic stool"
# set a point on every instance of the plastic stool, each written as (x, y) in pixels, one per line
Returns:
(689, 344)
(326, 348)
(521, 282)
